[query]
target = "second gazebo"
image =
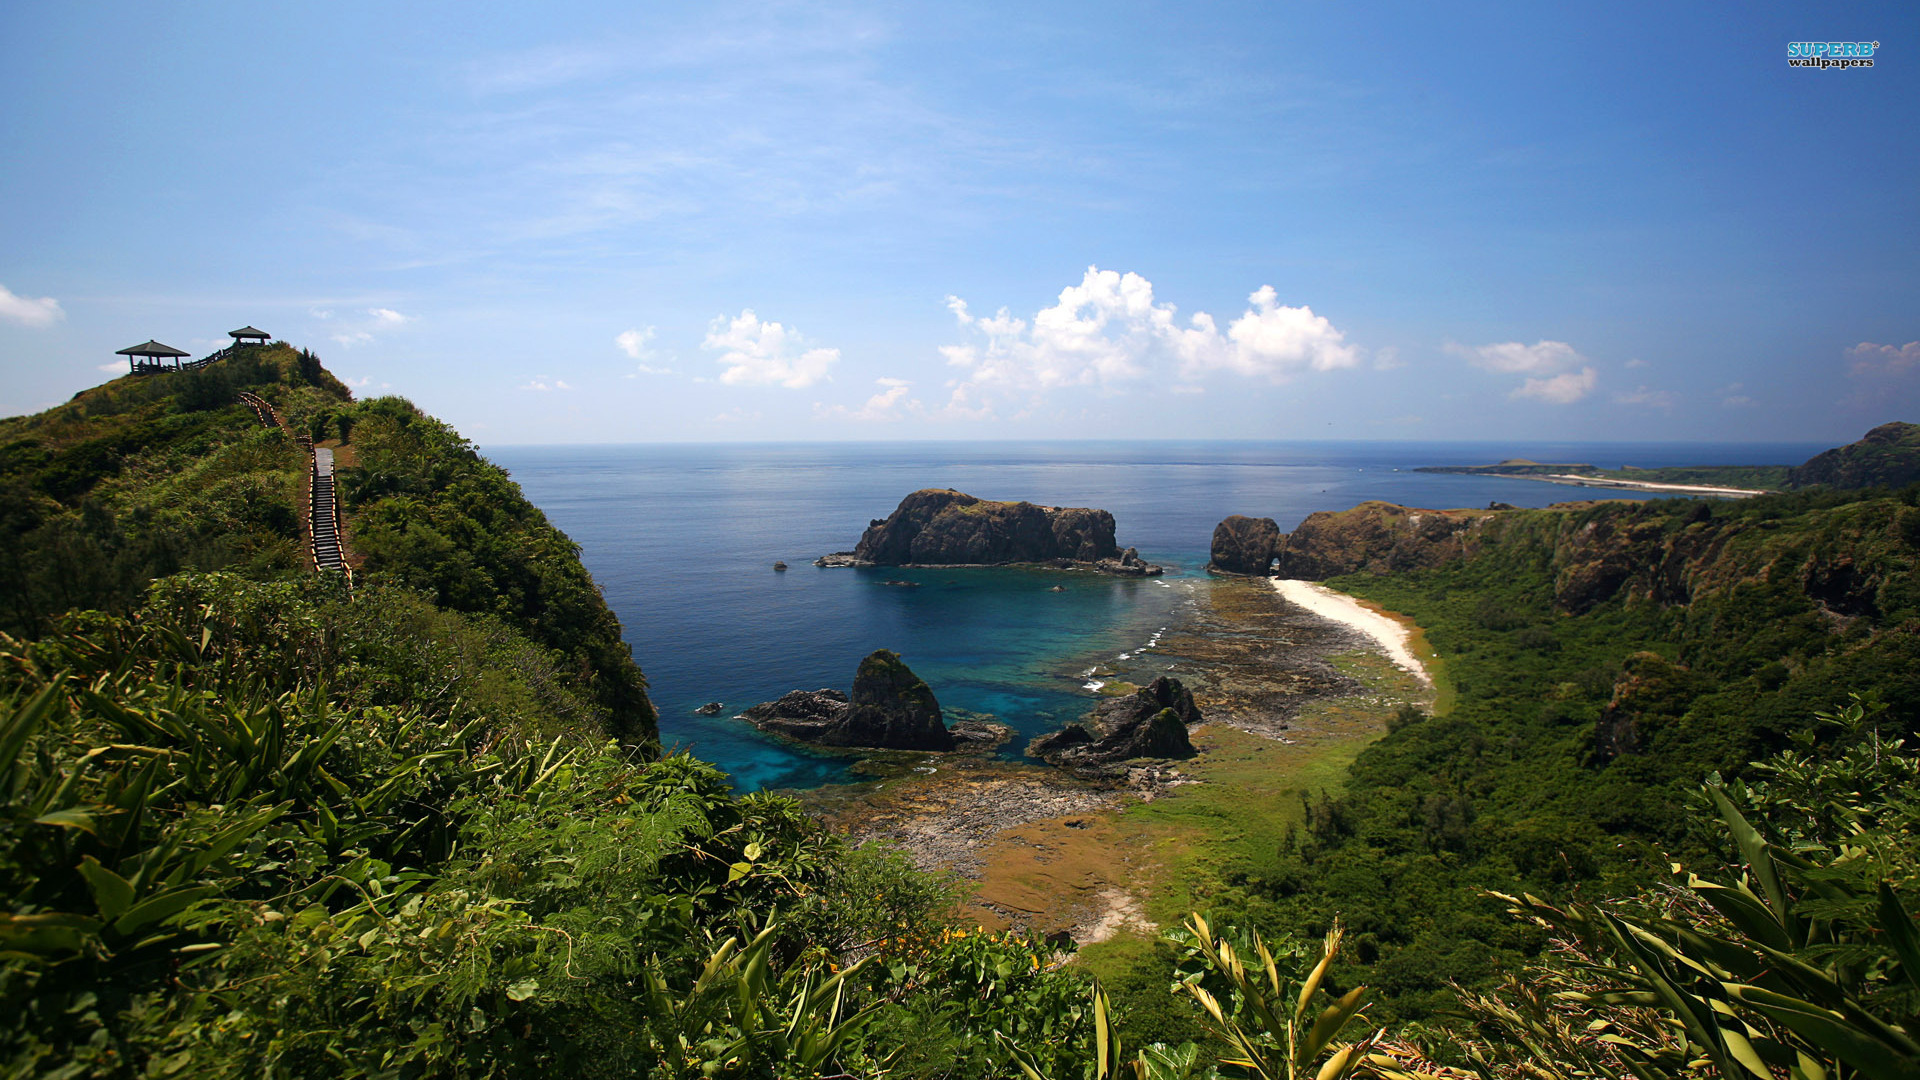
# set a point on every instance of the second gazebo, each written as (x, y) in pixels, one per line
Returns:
(247, 335)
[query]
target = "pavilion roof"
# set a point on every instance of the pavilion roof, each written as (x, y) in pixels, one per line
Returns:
(150, 348)
(247, 332)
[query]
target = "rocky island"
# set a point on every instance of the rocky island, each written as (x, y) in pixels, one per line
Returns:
(891, 709)
(943, 527)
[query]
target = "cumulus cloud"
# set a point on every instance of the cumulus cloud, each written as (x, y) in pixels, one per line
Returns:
(387, 317)
(1642, 395)
(1549, 367)
(756, 353)
(1108, 330)
(634, 342)
(891, 403)
(29, 312)
(1872, 359)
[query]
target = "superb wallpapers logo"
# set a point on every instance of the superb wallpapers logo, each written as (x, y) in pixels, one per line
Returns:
(1838, 55)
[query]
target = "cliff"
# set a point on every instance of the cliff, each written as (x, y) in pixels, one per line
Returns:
(1888, 456)
(935, 527)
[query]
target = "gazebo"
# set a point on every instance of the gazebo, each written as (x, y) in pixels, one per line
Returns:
(150, 356)
(247, 335)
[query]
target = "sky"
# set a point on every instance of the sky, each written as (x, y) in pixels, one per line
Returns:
(633, 222)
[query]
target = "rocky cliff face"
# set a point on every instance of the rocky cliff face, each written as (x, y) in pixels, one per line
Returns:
(1377, 537)
(891, 709)
(1840, 557)
(1244, 545)
(1887, 456)
(935, 527)
(1150, 722)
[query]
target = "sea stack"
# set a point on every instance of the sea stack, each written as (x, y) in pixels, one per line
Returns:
(943, 527)
(891, 709)
(1244, 545)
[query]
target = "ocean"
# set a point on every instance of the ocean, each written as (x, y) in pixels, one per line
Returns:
(682, 540)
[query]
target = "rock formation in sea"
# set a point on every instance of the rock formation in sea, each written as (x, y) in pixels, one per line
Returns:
(891, 709)
(943, 527)
(1150, 722)
(1244, 545)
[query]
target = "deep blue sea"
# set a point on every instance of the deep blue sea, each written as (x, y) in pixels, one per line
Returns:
(682, 539)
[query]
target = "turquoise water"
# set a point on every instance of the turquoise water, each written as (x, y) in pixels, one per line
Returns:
(682, 539)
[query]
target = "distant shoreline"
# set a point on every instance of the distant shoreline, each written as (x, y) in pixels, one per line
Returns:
(1638, 485)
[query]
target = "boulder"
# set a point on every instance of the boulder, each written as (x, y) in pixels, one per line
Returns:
(1244, 545)
(891, 709)
(1150, 722)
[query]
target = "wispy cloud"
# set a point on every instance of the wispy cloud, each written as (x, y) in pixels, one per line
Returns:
(756, 353)
(1547, 365)
(890, 403)
(42, 312)
(1648, 397)
(542, 384)
(1109, 330)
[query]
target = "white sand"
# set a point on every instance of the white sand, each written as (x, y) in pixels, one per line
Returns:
(1344, 609)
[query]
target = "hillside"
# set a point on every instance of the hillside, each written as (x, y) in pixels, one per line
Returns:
(148, 476)
(1604, 658)
(1886, 457)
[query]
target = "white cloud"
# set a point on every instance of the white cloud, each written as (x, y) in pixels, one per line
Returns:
(1387, 359)
(1872, 359)
(1642, 395)
(1636, 362)
(351, 338)
(1108, 330)
(634, 342)
(1562, 389)
(322, 314)
(388, 317)
(891, 403)
(27, 312)
(756, 353)
(115, 365)
(1738, 401)
(539, 383)
(1548, 366)
(1513, 358)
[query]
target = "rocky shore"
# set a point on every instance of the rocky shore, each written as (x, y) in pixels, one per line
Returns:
(1058, 852)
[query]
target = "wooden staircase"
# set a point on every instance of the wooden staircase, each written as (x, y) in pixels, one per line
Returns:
(323, 500)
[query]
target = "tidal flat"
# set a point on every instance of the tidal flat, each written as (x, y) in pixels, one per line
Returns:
(1290, 696)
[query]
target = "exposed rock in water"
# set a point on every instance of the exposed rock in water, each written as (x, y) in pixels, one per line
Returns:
(1244, 545)
(711, 708)
(891, 709)
(779, 566)
(936, 527)
(1150, 722)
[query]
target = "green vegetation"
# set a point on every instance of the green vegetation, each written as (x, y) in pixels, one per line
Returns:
(254, 824)
(1589, 700)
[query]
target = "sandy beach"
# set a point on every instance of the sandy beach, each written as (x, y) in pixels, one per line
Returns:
(1344, 609)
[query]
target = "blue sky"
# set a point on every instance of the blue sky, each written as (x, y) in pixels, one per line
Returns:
(632, 222)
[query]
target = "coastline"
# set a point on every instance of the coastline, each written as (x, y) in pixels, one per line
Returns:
(1574, 480)
(1290, 693)
(1393, 638)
